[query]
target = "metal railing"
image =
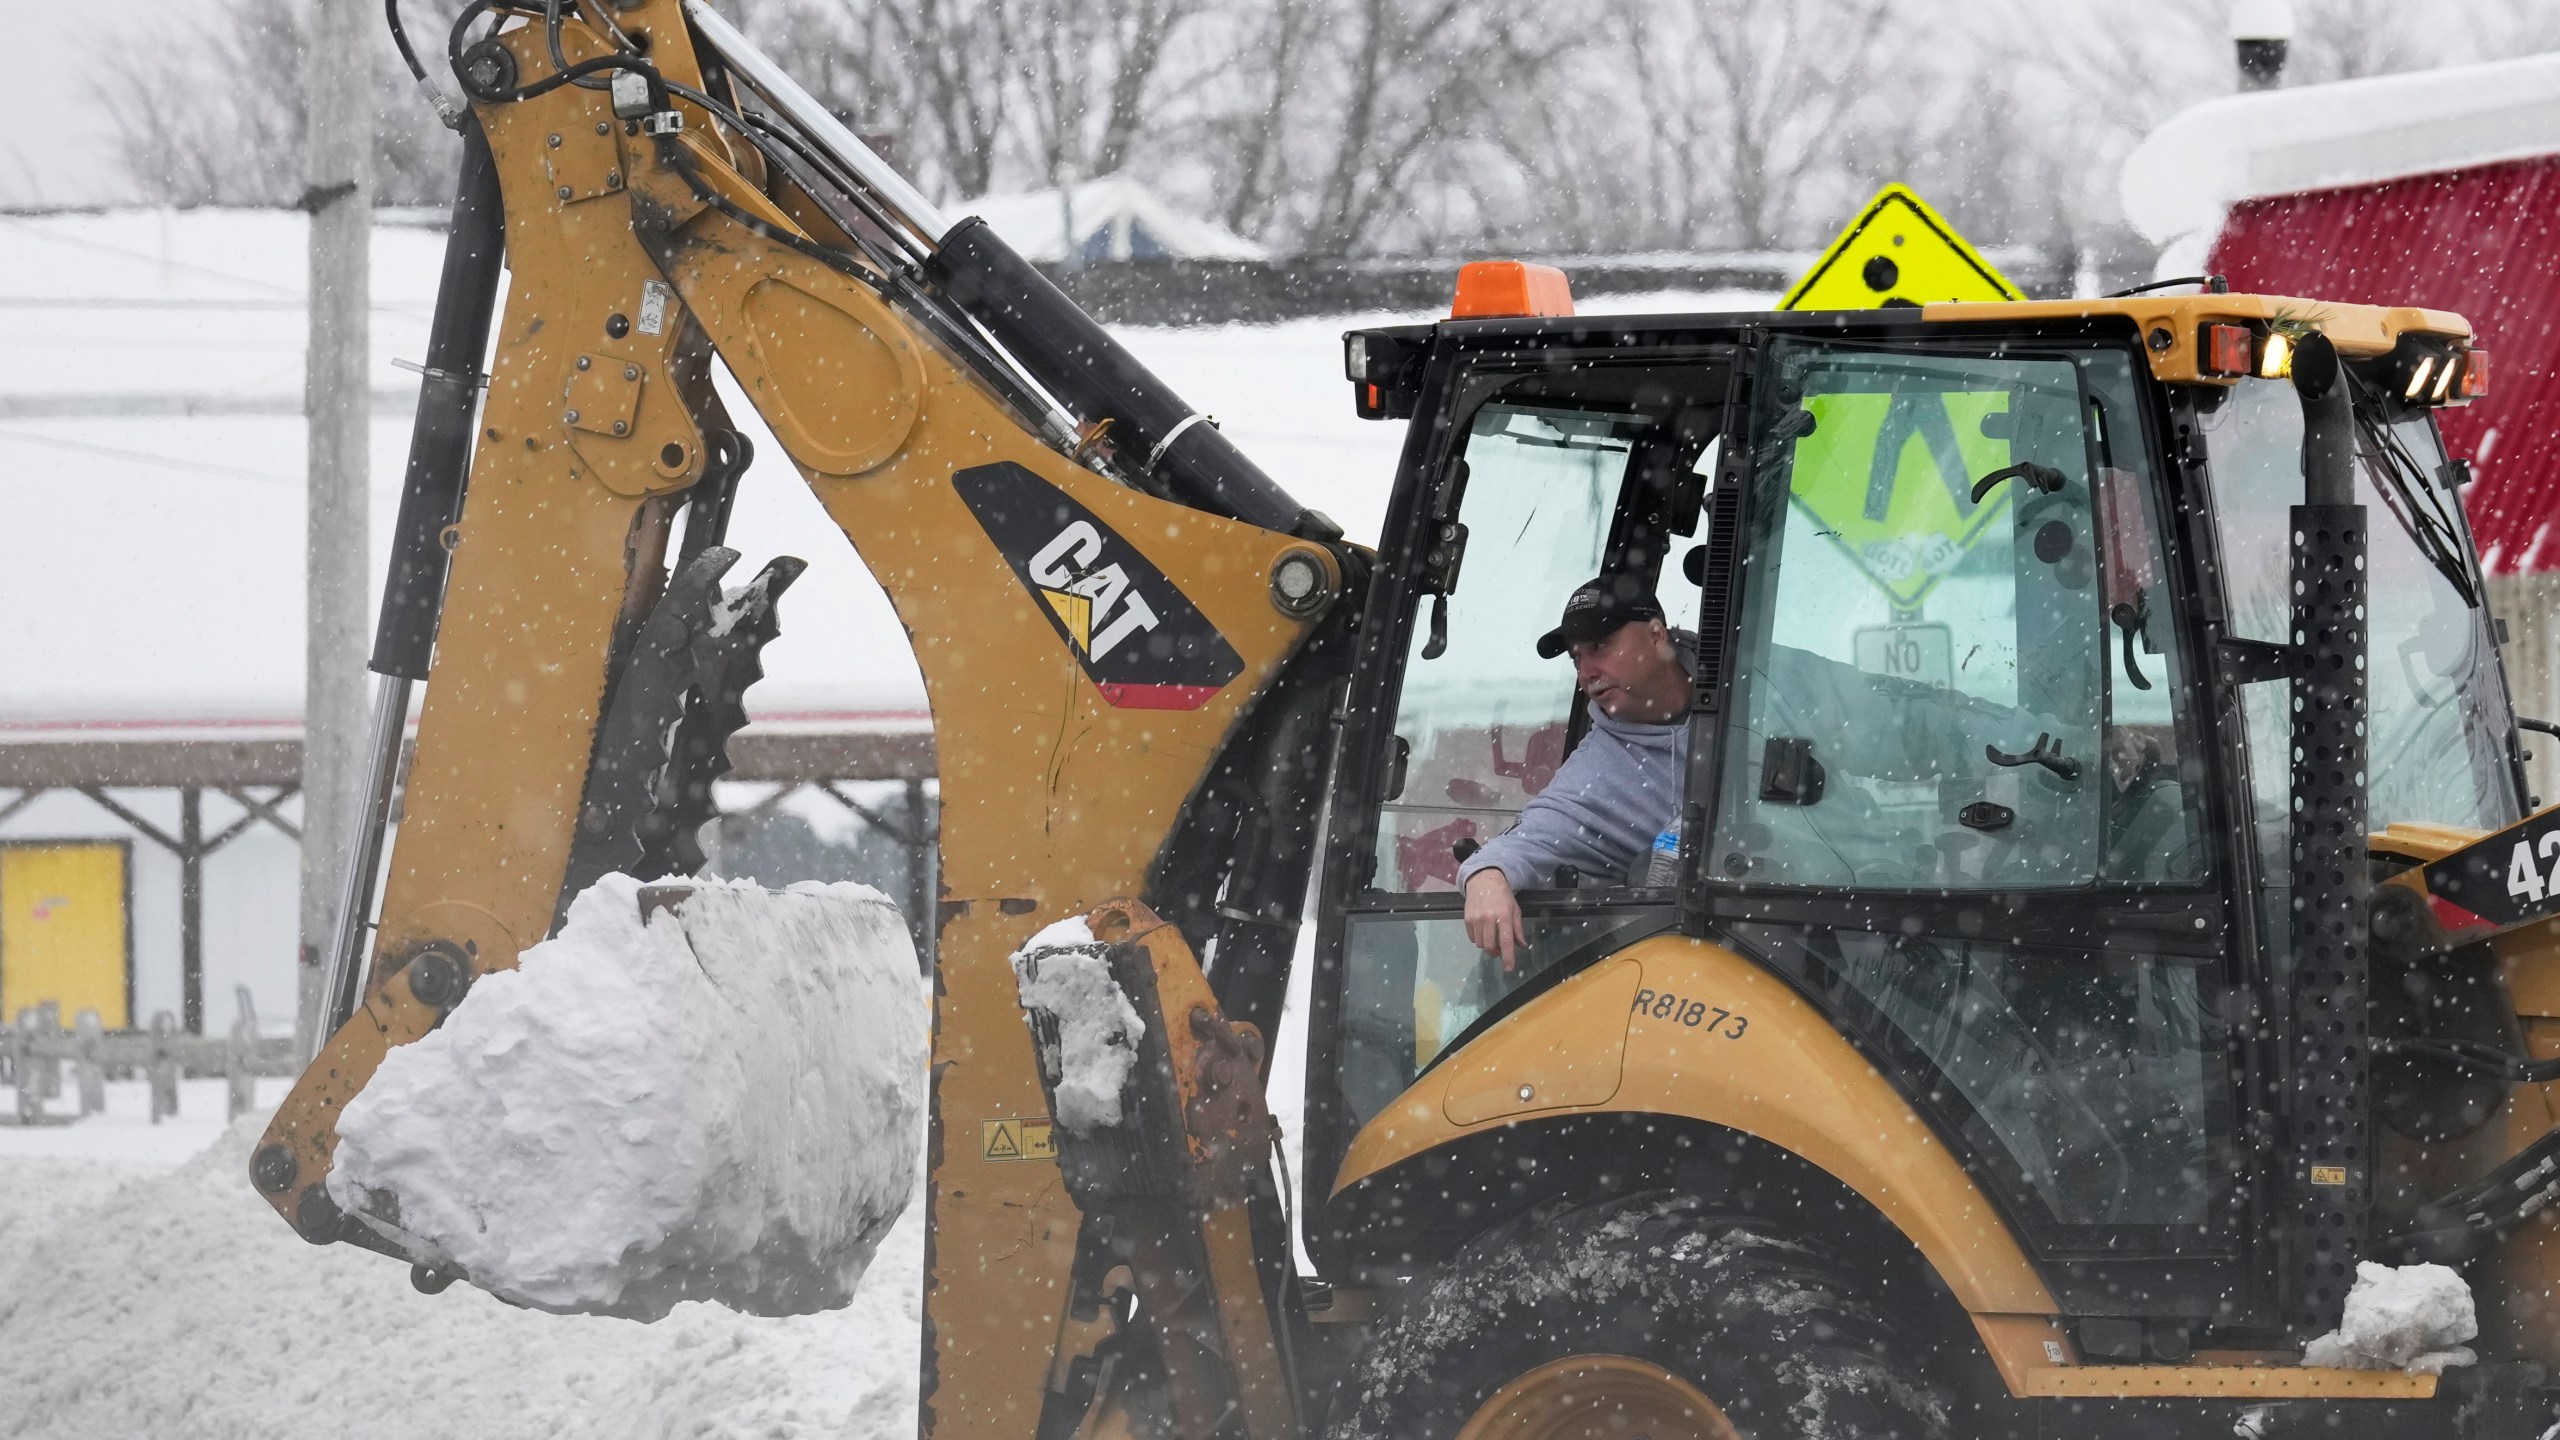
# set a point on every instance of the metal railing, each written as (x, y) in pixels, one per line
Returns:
(36, 1051)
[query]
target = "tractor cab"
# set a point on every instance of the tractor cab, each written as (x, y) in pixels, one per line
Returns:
(1990, 766)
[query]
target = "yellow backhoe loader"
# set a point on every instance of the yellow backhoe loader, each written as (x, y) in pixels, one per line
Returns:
(2105, 908)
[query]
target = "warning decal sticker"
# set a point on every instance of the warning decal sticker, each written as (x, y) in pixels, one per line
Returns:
(1017, 1140)
(1142, 642)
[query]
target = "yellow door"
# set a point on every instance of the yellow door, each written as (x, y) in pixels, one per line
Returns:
(62, 930)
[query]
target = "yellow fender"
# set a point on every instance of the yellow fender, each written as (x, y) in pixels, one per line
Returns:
(1677, 1026)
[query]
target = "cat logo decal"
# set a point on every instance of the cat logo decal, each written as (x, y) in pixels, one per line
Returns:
(1142, 642)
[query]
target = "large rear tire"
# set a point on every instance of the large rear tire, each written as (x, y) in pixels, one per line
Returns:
(1646, 1315)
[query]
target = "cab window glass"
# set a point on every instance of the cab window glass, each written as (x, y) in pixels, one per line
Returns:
(2152, 770)
(1923, 675)
(2438, 726)
(1482, 722)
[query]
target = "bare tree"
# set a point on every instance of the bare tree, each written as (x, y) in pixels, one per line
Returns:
(1790, 74)
(1412, 126)
(1671, 146)
(1085, 69)
(200, 119)
(2346, 39)
(850, 55)
(954, 51)
(1402, 81)
(189, 131)
(2517, 27)
(1255, 134)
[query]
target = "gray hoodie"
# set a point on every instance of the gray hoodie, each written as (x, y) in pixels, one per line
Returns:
(1618, 789)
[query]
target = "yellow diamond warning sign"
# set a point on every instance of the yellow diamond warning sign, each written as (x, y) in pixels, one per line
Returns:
(1889, 475)
(1021, 1139)
(1897, 252)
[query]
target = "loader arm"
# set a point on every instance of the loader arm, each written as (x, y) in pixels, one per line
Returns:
(1089, 649)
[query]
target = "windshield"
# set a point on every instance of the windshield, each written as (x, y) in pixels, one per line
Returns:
(2439, 728)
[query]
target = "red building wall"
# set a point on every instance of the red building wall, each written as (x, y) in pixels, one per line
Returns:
(2484, 243)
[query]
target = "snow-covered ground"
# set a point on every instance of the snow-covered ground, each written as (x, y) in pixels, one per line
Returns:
(146, 1290)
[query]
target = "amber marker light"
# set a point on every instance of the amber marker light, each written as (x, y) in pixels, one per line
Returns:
(1510, 289)
(2475, 376)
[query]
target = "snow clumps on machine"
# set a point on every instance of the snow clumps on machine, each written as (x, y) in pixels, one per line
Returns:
(2400, 1317)
(717, 1100)
(1086, 1029)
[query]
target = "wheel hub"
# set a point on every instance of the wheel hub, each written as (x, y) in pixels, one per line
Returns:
(1598, 1397)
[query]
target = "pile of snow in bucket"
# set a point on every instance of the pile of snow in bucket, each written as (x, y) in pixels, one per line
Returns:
(2404, 1317)
(715, 1102)
(1088, 1031)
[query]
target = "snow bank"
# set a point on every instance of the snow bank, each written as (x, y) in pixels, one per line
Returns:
(176, 1304)
(716, 1103)
(1065, 982)
(2403, 1317)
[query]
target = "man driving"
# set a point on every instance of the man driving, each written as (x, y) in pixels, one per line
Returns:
(1620, 787)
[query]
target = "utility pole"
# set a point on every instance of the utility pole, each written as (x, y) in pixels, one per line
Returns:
(336, 402)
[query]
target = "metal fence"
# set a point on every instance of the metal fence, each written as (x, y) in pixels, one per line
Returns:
(36, 1052)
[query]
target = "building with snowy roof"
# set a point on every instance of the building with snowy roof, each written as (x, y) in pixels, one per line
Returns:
(2438, 188)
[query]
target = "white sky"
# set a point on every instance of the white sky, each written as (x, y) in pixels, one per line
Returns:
(55, 147)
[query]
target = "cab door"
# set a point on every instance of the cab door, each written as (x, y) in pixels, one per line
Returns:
(1959, 799)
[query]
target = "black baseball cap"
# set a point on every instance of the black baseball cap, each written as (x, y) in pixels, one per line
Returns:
(1595, 611)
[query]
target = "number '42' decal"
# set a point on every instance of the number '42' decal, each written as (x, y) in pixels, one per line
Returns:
(2499, 880)
(2525, 879)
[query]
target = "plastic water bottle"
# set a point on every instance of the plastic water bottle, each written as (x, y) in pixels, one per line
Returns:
(1663, 869)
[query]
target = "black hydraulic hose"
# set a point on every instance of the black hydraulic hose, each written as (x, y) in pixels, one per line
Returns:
(2475, 1056)
(574, 74)
(1153, 432)
(440, 439)
(2459, 1228)
(400, 41)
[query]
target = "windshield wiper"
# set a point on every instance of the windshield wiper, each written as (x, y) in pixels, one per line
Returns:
(2420, 506)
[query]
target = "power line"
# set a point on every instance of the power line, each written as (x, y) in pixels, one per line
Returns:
(165, 462)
